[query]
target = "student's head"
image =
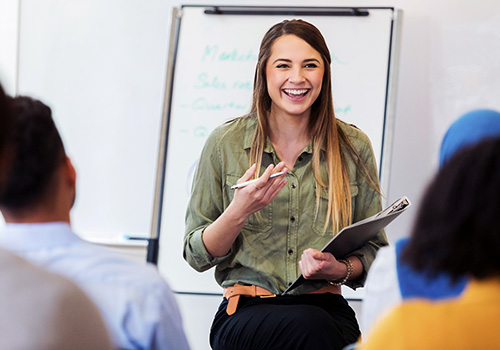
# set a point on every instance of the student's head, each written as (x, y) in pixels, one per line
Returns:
(457, 227)
(309, 34)
(469, 129)
(37, 153)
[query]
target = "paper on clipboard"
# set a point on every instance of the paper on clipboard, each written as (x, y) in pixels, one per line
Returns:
(356, 235)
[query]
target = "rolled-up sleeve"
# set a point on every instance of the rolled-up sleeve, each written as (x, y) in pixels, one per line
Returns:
(205, 205)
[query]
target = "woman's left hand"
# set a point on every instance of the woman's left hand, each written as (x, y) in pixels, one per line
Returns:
(317, 265)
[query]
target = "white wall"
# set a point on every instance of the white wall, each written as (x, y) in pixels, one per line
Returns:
(9, 20)
(449, 64)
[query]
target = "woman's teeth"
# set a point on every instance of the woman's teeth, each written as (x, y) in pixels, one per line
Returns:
(296, 92)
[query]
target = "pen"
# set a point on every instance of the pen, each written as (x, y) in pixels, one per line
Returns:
(246, 183)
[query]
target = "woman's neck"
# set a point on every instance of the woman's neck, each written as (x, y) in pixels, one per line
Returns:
(289, 136)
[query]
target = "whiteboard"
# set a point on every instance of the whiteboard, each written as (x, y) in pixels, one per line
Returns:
(211, 81)
(100, 66)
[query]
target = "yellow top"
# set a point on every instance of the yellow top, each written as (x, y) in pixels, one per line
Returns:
(468, 322)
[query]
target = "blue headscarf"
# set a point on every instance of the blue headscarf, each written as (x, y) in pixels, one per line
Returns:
(469, 129)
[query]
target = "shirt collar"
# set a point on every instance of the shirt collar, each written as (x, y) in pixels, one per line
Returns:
(250, 130)
(26, 237)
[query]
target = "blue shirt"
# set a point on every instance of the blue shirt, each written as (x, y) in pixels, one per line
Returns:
(136, 303)
(415, 284)
(390, 282)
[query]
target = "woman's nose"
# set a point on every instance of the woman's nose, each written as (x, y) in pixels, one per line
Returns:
(296, 75)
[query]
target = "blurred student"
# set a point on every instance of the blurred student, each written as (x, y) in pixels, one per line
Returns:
(65, 318)
(42, 310)
(138, 306)
(456, 233)
(390, 281)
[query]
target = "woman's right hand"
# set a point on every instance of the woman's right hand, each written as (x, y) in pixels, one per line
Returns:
(219, 236)
(252, 198)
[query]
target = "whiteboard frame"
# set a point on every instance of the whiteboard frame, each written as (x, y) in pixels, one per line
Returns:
(165, 121)
(390, 104)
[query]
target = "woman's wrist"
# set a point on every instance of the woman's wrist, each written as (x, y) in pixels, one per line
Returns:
(349, 272)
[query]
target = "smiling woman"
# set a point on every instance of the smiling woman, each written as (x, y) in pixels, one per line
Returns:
(263, 236)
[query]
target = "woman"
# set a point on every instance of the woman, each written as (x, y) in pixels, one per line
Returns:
(256, 235)
(456, 233)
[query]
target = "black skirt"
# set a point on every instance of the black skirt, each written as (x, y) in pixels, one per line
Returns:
(312, 321)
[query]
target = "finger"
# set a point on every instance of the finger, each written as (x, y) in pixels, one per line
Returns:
(307, 259)
(264, 182)
(304, 268)
(267, 172)
(248, 174)
(316, 254)
(275, 189)
(309, 252)
(279, 167)
(310, 267)
(277, 180)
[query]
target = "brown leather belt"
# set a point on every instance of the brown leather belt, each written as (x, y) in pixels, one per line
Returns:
(232, 294)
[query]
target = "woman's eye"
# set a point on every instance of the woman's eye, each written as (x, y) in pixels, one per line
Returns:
(282, 65)
(311, 65)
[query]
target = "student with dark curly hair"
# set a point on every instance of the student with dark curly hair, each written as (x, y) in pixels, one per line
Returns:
(457, 233)
(390, 280)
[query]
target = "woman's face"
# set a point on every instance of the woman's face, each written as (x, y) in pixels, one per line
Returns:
(294, 76)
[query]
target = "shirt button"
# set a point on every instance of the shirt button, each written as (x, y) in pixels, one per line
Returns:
(292, 219)
(294, 185)
(290, 251)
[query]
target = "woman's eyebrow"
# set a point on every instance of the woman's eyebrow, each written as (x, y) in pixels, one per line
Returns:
(282, 59)
(312, 60)
(288, 60)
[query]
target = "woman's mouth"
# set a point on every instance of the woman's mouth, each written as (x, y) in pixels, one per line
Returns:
(295, 93)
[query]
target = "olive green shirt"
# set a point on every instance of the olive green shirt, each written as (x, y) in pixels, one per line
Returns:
(267, 251)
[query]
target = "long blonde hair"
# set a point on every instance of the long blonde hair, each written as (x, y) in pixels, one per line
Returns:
(323, 126)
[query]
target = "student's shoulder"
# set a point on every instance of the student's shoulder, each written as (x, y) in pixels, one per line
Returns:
(117, 268)
(56, 300)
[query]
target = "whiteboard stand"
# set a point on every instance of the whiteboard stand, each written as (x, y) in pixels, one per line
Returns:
(154, 242)
(392, 78)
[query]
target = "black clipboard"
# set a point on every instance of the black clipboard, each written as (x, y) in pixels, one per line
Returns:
(356, 235)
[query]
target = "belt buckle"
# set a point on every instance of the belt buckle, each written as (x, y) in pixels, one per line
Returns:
(268, 296)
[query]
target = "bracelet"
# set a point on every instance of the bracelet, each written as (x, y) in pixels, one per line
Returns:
(350, 268)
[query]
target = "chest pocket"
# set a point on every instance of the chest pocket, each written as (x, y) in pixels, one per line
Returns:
(322, 208)
(261, 221)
